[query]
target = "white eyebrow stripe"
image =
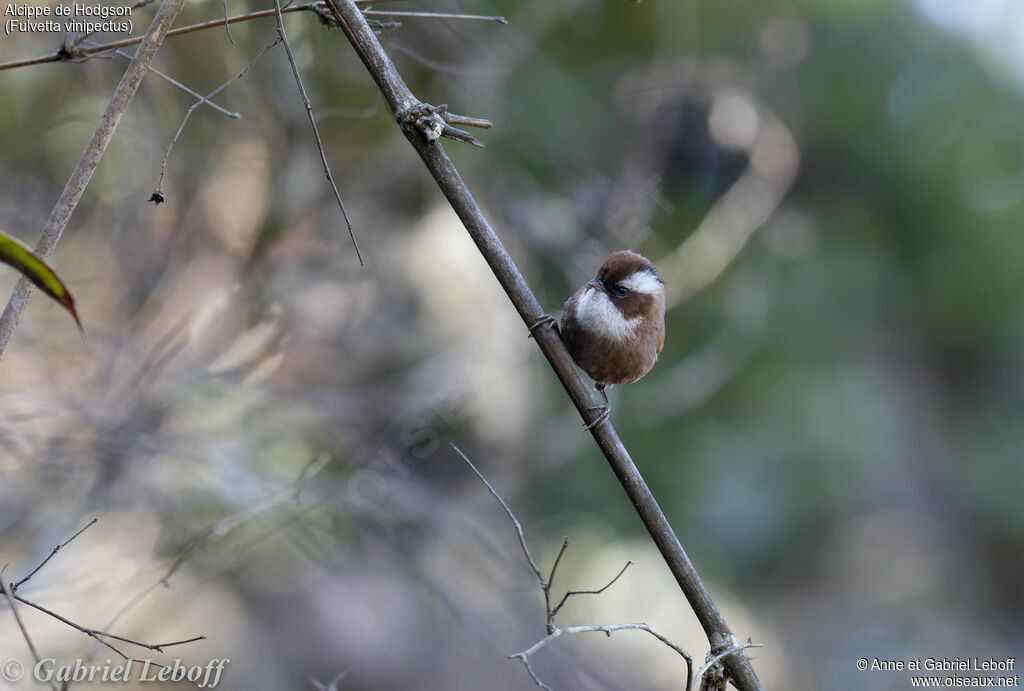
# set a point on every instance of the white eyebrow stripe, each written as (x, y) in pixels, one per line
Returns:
(644, 281)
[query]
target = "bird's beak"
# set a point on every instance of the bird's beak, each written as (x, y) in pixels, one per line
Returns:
(596, 285)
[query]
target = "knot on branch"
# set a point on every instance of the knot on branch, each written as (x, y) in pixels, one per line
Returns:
(326, 16)
(68, 51)
(433, 122)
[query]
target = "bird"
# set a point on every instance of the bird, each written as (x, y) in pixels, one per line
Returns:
(614, 326)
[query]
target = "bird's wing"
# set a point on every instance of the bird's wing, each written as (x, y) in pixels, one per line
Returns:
(661, 340)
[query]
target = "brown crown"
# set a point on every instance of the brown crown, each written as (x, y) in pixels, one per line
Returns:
(623, 264)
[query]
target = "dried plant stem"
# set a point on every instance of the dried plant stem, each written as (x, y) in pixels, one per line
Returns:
(403, 105)
(90, 159)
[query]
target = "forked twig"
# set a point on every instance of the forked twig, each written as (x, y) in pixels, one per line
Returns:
(158, 195)
(191, 92)
(606, 629)
(600, 590)
(550, 612)
(102, 637)
(15, 586)
(715, 657)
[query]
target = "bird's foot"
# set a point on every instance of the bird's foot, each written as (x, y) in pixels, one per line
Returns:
(606, 411)
(544, 320)
(605, 408)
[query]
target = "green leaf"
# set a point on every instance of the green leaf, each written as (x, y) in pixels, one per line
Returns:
(22, 258)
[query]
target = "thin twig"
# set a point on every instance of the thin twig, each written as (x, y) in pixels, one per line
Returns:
(606, 629)
(545, 587)
(171, 80)
(21, 624)
(403, 104)
(714, 658)
(508, 511)
(454, 119)
(550, 612)
(227, 24)
(312, 123)
(90, 159)
(600, 590)
(63, 54)
(202, 100)
(15, 586)
(220, 529)
(98, 634)
(435, 15)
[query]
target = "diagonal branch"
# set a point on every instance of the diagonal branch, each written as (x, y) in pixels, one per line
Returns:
(90, 159)
(33, 572)
(401, 102)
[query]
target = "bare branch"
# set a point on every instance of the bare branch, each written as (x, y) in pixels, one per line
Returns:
(316, 130)
(558, 559)
(201, 101)
(545, 586)
(227, 24)
(454, 119)
(220, 529)
(714, 658)
(100, 635)
(607, 629)
(15, 586)
(75, 187)
(600, 590)
(64, 53)
(508, 511)
(21, 624)
(404, 105)
(171, 80)
(435, 15)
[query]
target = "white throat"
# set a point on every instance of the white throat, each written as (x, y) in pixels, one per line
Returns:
(596, 314)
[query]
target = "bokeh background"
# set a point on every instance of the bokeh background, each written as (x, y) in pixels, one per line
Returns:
(833, 193)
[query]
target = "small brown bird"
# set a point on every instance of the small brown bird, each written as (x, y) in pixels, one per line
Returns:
(614, 326)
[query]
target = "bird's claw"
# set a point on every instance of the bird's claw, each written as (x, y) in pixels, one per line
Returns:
(606, 411)
(544, 319)
(605, 408)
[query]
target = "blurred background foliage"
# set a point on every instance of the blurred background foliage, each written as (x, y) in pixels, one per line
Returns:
(832, 191)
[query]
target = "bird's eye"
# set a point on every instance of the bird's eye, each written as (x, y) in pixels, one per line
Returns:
(620, 291)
